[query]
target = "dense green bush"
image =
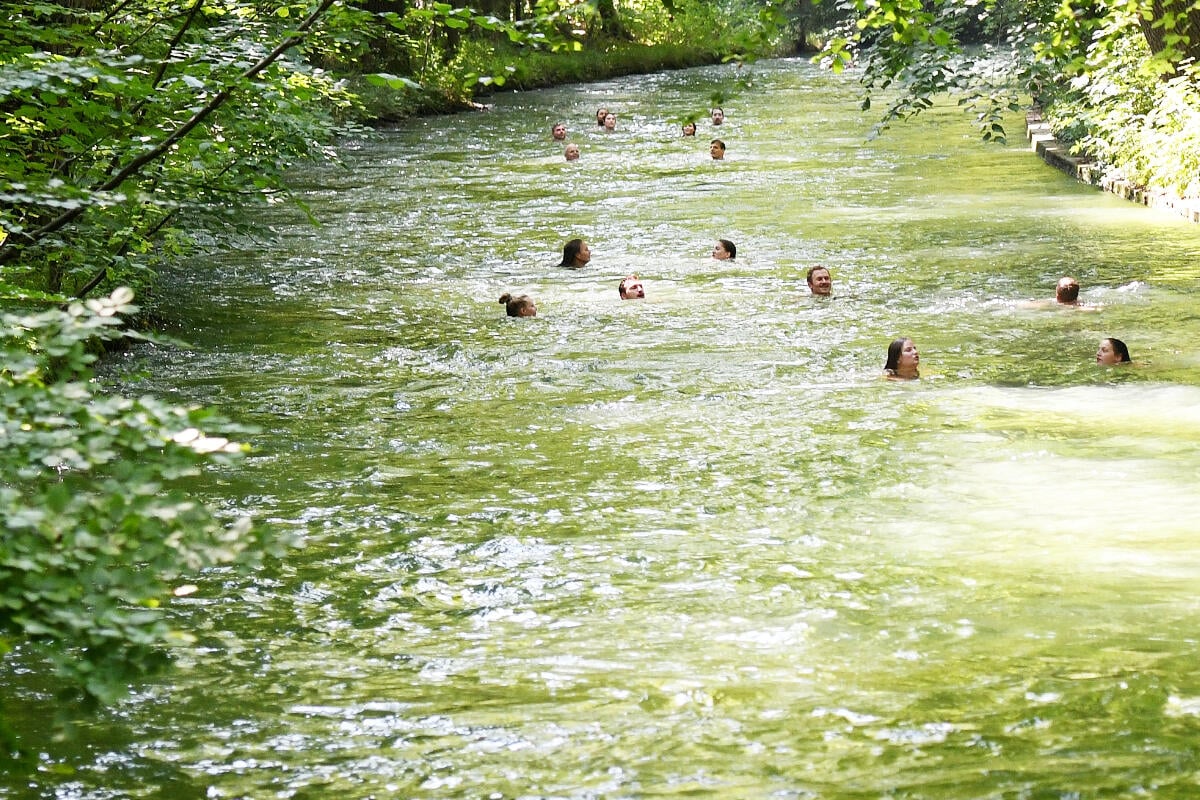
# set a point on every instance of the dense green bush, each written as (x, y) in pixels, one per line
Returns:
(128, 129)
(1136, 124)
(1119, 80)
(100, 532)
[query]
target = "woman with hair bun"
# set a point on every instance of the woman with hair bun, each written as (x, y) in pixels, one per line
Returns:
(520, 306)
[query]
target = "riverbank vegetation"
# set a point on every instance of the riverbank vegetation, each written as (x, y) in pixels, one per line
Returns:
(1118, 81)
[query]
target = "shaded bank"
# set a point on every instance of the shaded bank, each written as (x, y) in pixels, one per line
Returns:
(1043, 142)
(540, 69)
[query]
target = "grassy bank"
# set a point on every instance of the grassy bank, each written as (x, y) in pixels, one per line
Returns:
(480, 71)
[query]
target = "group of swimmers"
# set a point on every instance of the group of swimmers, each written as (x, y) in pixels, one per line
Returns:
(607, 121)
(903, 359)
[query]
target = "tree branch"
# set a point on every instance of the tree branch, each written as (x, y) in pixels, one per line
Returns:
(8, 250)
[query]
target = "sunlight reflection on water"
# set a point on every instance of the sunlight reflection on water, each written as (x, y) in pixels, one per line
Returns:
(695, 546)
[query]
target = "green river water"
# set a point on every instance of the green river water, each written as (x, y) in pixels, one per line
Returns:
(692, 546)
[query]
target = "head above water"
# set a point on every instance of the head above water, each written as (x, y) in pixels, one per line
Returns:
(689, 129)
(576, 254)
(571, 153)
(716, 149)
(610, 121)
(1112, 351)
(520, 306)
(601, 113)
(819, 280)
(717, 115)
(902, 360)
(559, 131)
(724, 250)
(1067, 290)
(631, 288)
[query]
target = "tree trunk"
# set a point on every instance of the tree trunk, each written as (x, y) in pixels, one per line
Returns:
(1188, 24)
(610, 23)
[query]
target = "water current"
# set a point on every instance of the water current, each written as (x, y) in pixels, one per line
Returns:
(694, 545)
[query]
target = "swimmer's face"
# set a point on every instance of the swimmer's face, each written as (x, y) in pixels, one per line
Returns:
(1106, 356)
(717, 150)
(689, 129)
(559, 131)
(720, 253)
(610, 121)
(584, 255)
(632, 288)
(572, 152)
(909, 359)
(718, 116)
(820, 282)
(601, 113)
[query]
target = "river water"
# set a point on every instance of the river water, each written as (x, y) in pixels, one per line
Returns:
(691, 546)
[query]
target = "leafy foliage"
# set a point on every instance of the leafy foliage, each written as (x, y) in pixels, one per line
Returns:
(119, 139)
(1129, 67)
(1128, 118)
(99, 531)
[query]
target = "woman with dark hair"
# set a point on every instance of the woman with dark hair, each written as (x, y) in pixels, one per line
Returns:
(521, 306)
(689, 128)
(902, 361)
(576, 254)
(724, 250)
(1112, 351)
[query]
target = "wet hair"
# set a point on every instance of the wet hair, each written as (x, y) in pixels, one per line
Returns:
(1067, 290)
(1120, 349)
(513, 306)
(601, 113)
(813, 269)
(570, 250)
(893, 356)
(717, 108)
(684, 128)
(718, 141)
(621, 286)
(729, 246)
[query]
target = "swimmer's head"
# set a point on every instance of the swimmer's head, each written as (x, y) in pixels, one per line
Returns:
(902, 359)
(1067, 290)
(819, 280)
(631, 288)
(1112, 351)
(520, 306)
(576, 254)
